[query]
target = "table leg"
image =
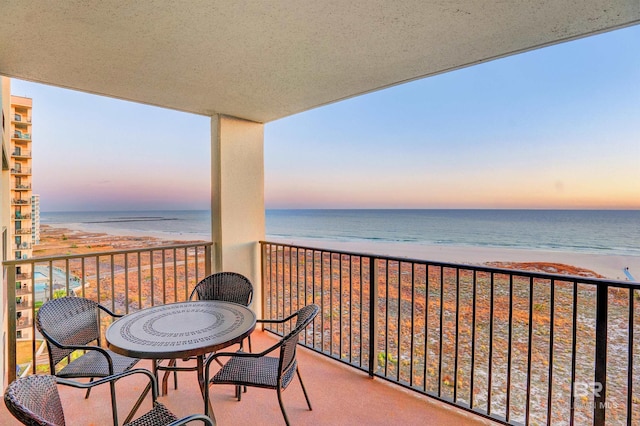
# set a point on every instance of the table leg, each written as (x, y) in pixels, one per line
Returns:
(165, 378)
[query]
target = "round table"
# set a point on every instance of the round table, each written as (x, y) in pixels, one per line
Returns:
(181, 330)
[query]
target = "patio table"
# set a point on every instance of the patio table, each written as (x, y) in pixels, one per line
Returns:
(181, 330)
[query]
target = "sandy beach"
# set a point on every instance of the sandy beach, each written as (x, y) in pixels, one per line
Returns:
(70, 238)
(600, 266)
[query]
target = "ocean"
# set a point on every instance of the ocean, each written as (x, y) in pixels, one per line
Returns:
(610, 232)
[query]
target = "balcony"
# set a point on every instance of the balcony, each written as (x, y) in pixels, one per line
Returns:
(24, 305)
(21, 202)
(23, 231)
(25, 216)
(23, 323)
(22, 187)
(21, 246)
(339, 396)
(19, 136)
(21, 154)
(21, 171)
(492, 345)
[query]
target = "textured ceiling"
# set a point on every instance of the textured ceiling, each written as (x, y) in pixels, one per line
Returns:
(263, 60)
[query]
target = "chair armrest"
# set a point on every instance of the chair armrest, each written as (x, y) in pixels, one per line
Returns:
(183, 421)
(80, 385)
(277, 321)
(108, 311)
(100, 349)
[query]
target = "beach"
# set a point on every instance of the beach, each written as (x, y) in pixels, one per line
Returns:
(600, 266)
(77, 239)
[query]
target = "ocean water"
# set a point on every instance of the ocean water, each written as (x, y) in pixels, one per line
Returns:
(615, 232)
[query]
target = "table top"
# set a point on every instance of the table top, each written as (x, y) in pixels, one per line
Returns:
(180, 330)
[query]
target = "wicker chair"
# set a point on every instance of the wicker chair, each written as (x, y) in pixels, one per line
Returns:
(260, 370)
(34, 400)
(71, 323)
(224, 286)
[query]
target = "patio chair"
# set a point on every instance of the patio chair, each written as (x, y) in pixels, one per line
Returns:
(34, 400)
(223, 286)
(227, 287)
(260, 370)
(70, 324)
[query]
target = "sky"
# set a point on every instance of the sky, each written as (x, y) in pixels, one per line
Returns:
(557, 127)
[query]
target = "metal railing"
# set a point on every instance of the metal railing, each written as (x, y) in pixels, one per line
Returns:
(21, 187)
(123, 281)
(21, 216)
(26, 154)
(513, 346)
(21, 171)
(18, 135)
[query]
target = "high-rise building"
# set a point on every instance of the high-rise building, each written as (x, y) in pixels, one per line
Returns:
(35, 218)
(5, 213)
(21, 226)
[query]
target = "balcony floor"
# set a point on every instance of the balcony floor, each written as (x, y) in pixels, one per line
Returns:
(340, 395)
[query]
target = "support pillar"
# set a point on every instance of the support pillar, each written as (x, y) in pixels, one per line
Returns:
(237, 198)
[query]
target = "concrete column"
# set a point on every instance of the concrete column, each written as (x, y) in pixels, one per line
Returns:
(237, 198)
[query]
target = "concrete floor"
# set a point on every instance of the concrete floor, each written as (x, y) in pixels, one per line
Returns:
(340, 395)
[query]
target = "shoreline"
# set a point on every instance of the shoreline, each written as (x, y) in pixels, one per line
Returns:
(607, 266)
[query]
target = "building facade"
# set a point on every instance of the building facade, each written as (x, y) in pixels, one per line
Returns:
(35, 218)
(21, 228)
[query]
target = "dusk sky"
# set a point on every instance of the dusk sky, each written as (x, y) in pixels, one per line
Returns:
(553, 128)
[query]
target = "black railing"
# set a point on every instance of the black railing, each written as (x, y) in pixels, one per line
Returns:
(122, 280)
(513, 346)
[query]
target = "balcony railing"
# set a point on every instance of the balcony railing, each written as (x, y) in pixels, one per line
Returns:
(21, 216)
(23, 231)
(19, 135)
(22, 187)
(21, 171)
(124, 281)
(21, 201)
(21, 246)
(513, 346)
(22, 154)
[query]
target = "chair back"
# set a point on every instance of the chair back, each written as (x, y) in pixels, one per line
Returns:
(287, 364)
(34, 400)
(225, 286)
(69, 321)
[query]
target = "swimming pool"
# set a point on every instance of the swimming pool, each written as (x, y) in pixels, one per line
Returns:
(41, 278)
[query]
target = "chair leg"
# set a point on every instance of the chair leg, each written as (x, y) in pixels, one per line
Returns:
(86, 395)
(284, 413)
(114, 408)
(250, 350)
(303, 389)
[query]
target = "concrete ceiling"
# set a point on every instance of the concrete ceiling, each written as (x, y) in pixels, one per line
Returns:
(263, 60)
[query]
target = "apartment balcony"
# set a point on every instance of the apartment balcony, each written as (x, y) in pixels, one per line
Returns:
(23, 323)
(21, 154)
(24, 305)
(19, 118)
(21, 202)
(23, 276)
(18, 136)
(24, 290)
(21, 171)
(21, 246)
(445, 342)
(22, 187)
(23, 231)
(339, 396)
(25, 216)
